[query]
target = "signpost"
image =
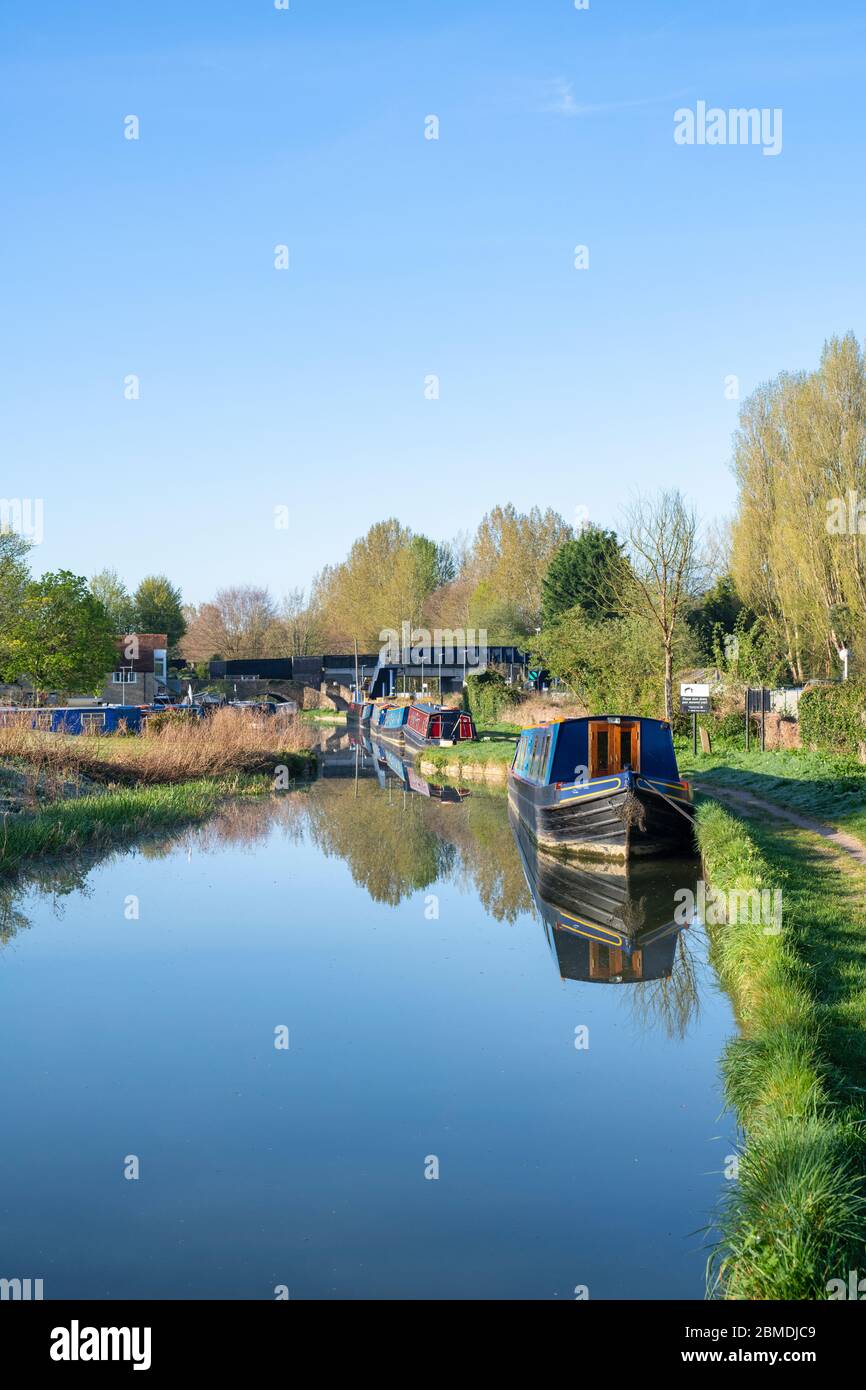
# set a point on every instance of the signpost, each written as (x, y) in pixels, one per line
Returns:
(694, 700)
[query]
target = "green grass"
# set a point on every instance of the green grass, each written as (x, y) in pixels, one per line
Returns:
(830, 789)
(491, 747)
(68, 827)
(796, 1217)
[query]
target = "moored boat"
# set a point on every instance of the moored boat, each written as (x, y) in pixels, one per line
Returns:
(431, 726)
(606, 786)
(359, 712)
(389, 722)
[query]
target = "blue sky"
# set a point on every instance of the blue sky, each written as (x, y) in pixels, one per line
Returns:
(305, 388)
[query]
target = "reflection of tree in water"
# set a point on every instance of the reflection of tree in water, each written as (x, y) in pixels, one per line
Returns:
(52, 880)
(395, 843)
(386, 842)
(488, 863)
(672, 1003)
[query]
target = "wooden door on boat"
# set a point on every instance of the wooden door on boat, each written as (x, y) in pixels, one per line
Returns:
(613, 747)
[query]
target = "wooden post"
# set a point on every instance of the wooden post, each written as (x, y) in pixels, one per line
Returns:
(694, 733)
(747, 719)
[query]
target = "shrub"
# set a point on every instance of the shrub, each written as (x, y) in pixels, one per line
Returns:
(487, 695)
(833, 718)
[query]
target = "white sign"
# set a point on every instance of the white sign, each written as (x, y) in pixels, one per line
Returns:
(694, 699)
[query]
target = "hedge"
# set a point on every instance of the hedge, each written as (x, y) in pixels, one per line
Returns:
(833, 718)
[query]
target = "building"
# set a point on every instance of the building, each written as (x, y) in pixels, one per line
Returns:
(141, 672)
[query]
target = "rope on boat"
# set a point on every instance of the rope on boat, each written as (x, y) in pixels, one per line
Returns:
(671, 802)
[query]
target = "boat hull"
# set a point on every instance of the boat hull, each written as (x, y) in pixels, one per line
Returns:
(385, 735)
(416, 740)
(619, 817)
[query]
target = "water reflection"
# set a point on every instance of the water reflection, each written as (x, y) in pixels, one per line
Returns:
(399, 833)
(410, 1035)
(614, 924)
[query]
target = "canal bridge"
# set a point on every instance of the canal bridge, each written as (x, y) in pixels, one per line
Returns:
(337, 674)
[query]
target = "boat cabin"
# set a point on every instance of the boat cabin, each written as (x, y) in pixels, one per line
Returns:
(432, 724)
(579, 750)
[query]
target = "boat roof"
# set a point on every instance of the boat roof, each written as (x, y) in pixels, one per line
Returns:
(594, 718)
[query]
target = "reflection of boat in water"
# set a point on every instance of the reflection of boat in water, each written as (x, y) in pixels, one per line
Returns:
(412, 781)
(388, 723)
(608, 922)
(376, 758)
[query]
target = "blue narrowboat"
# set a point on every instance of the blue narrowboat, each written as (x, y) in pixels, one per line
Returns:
(389, 723)
(431, 726)
(103, 719)
(359, 712)
(107, 719)
(606, 785)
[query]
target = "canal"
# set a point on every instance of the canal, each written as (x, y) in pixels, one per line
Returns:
(357, 1042)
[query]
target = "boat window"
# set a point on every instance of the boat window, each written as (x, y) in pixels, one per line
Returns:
(537, 757)
(522, 756)
(545, 749)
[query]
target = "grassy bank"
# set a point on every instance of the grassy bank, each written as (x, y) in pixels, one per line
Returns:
(485, 760)
(61, 793)
(796, 1217)
(830, 789)
(98, 821)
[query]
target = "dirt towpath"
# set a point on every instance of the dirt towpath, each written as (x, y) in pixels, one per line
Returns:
(849, 844)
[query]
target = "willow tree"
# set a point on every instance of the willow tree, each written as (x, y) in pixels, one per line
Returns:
(799, 537)
(384, 581)
(509, 558)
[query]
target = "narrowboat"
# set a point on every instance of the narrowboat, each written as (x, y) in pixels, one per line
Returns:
(389, 723)
(410, 780)
(359, 712)
(606, 923)
(93, 719)
(431, 726)
(606, 786)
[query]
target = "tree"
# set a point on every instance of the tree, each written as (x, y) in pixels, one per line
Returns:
(613, 666)
(799, 536)
(158, 608)
(112, 593)
(14, 576)
(297, 629)
(238, 622)
(510, 554)
(581, 573)
(61, 636)
(386, 580)
(663, 571)
(716, 610)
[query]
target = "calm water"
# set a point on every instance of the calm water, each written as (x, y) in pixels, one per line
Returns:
(408, 943)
